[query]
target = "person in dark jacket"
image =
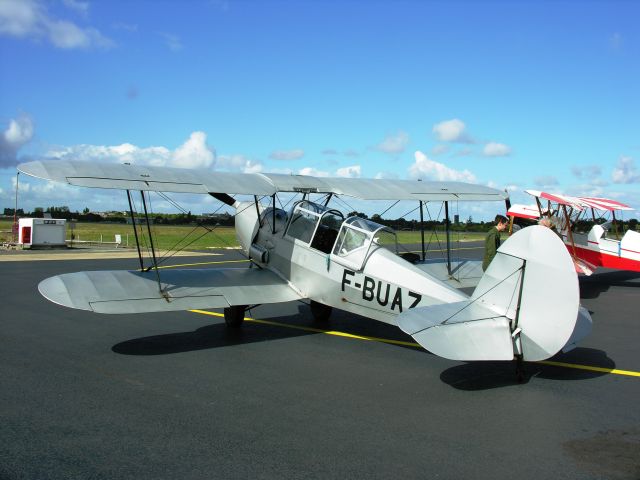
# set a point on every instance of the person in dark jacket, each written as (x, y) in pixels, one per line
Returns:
(492, 242)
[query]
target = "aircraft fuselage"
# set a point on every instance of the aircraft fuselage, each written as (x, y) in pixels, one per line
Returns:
(368, 279)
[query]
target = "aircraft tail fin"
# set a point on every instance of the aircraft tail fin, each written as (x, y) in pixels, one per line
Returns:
(526, 304)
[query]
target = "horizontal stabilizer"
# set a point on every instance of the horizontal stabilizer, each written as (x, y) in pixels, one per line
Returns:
(124, 291)
(460, 331)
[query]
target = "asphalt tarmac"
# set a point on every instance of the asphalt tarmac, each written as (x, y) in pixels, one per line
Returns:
(178, 395)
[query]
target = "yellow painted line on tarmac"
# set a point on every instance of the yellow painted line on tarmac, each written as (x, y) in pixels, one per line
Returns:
(315, 330)
(575, 366)
(590, 368)
(29, 256)
(203, 263)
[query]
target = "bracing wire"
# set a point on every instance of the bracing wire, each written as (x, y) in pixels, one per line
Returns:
(519, 270)
(434, 232)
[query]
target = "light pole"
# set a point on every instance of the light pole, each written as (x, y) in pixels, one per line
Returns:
(15, 213)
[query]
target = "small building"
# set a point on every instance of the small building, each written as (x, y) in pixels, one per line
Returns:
(41, 232)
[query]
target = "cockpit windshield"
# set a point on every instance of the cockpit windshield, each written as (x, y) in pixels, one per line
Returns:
(357, 237)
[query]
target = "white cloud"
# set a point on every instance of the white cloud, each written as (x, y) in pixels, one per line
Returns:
(353, 171)
(387, 176)
(193, 153)
(452, 131)
(393, 144)
(30, 19)
(78, 6)
(425, 168)
(67, 35)
(312, 172)
(494, 149)
(238, 163)
(19, 18)
(625, 171)
(18, 133)
(287, 155)
(586, 171)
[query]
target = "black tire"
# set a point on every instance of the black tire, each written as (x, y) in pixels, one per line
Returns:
(234, 316)
(320, 311)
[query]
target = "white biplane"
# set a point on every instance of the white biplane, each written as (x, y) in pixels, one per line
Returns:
(595, 248)
(524, 307)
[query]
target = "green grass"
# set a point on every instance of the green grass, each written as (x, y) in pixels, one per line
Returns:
(405, 237)
(164, 236)
(167, 237)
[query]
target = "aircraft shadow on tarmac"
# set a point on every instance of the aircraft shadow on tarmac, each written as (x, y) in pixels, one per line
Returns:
(219, 335)
(467, 376)
(593, 285)
(487, 375)
(211, 336)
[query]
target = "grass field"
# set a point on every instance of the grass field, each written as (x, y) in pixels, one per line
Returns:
(192, 237)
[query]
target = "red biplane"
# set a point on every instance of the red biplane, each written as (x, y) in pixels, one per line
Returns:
(602, 245)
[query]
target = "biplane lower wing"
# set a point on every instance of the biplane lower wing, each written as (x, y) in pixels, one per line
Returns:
(139, 292)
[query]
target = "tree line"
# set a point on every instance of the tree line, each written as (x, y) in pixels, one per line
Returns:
(225, 219)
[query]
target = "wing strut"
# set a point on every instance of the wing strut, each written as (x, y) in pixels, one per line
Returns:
(153, 251)
(447, 226)
(135, 230)
(422, 230)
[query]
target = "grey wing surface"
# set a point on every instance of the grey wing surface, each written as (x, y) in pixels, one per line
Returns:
(122, 291)
(165, 179)
(157, 179)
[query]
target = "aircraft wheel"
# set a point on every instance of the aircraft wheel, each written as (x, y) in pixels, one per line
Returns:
(320, 312)
(234, 316)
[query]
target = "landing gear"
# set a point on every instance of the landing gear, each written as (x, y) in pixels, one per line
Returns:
(320, 312)
(519, 369)
(234, 316)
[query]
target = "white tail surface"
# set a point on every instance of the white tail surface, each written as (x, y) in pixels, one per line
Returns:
(526, 303)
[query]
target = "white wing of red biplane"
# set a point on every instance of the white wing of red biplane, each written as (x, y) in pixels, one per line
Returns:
(530, 212)
(164, 179)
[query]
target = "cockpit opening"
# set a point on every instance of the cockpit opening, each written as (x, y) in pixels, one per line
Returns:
(326, 230)
(315, 224)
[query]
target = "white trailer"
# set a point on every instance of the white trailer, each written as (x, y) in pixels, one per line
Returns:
(40, 232)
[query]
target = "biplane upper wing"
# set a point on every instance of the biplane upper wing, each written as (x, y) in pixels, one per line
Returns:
(581, 203)
(135, 177)
(121, 291)
(165, 179)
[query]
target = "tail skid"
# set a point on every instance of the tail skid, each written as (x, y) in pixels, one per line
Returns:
(525, 306)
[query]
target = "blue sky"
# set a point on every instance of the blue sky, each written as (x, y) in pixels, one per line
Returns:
(515, 95)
